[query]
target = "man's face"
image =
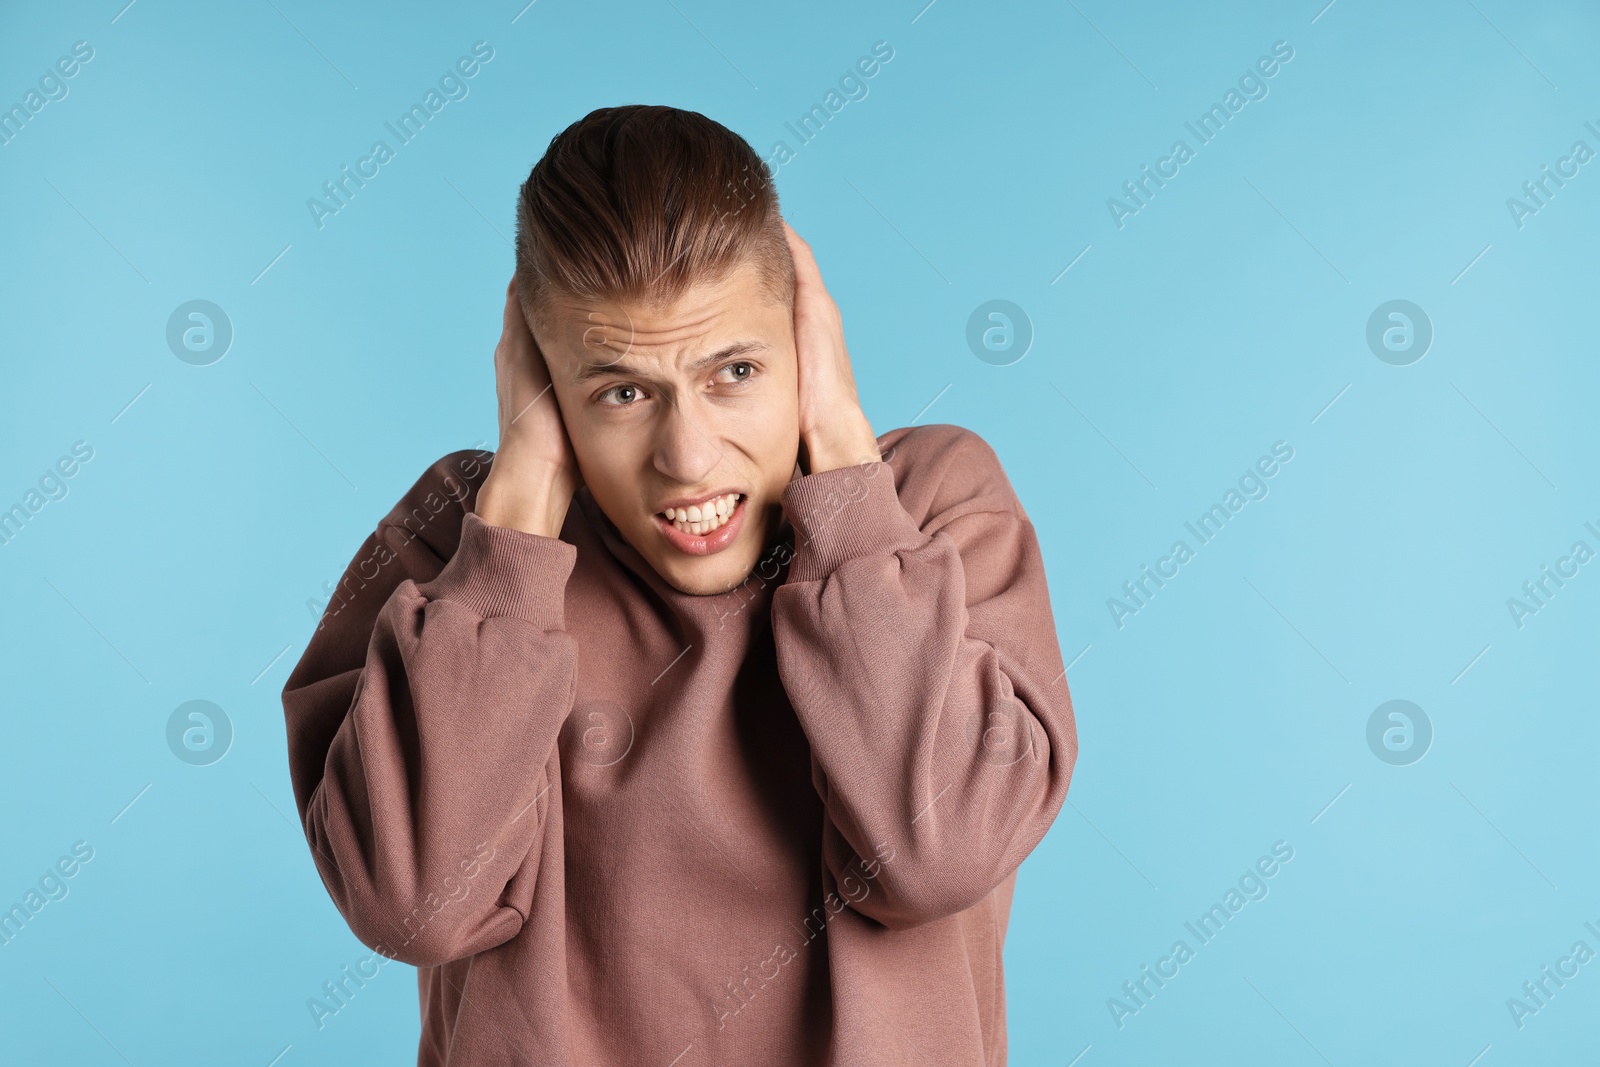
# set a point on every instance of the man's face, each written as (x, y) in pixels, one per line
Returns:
(681, 405)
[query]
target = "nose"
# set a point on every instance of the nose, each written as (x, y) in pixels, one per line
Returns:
(687, 448)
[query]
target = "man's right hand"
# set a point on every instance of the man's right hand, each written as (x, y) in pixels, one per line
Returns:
(535, 471)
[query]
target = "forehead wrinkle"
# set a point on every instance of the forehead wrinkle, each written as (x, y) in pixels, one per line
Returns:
(680, 329)
(688, 312)
(616, 321)
(741, 347)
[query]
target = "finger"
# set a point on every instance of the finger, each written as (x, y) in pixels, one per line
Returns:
(537, 364)
(512, 306)
(517, 326)
(805, 264)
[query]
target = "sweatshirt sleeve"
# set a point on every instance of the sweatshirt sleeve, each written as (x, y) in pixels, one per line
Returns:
(422, 722)
(922, 662)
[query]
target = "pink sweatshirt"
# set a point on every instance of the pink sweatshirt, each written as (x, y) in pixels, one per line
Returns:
(613, 824)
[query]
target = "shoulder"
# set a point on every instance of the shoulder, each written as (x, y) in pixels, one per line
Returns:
(437, 502)
(943, 472)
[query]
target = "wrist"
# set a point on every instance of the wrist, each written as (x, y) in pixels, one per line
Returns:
(537, 508)
(842, 451)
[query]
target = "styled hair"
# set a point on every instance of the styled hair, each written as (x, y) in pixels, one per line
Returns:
(635, 203)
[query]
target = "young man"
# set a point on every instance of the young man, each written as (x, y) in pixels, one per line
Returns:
(696, 724)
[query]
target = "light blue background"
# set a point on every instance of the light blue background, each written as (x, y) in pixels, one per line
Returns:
(1228, 314)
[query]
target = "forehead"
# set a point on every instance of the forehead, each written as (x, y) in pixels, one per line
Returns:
(583, 337)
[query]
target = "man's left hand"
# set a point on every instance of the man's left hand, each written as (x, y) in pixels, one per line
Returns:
(833, 428)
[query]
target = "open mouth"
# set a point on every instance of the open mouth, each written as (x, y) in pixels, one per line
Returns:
(704, 518)
(701, 529)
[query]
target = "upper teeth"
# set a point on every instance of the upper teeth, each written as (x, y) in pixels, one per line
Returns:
(705, 517)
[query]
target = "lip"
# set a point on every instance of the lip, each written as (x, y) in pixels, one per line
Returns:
(702, 544)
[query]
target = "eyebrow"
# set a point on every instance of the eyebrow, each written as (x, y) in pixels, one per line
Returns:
(590, 371)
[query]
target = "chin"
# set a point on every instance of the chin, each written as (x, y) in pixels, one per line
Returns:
(711, 575)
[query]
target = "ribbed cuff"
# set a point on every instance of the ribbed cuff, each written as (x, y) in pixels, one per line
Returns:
(843, 514)
(499, 572)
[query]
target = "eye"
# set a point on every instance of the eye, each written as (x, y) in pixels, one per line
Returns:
(739, 379)
(631, 392)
